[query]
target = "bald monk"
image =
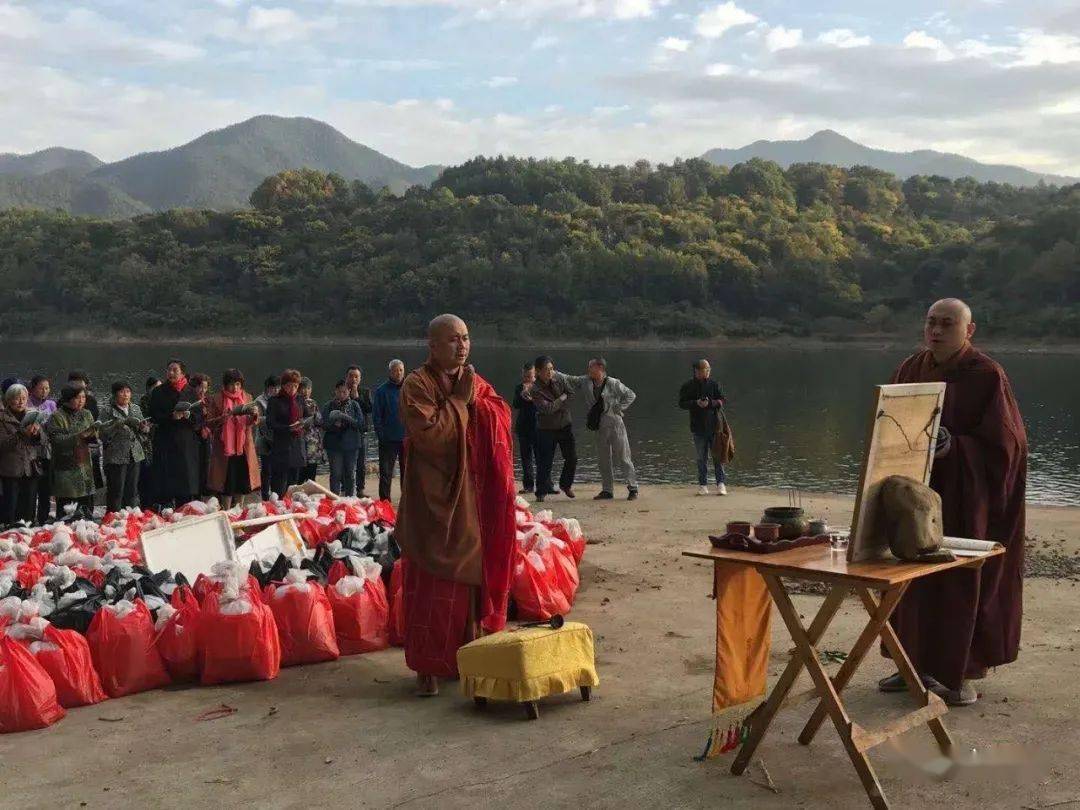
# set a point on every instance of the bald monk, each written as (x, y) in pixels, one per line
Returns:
(456, 521)
(956, 624)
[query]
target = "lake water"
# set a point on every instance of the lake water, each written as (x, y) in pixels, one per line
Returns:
(799, 416)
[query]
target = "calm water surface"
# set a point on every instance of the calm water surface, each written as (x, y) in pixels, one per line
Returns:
(799, 416)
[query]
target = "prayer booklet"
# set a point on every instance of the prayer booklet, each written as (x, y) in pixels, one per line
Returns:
(967, 547)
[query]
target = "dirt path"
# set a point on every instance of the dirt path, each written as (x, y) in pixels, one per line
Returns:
(349, 733)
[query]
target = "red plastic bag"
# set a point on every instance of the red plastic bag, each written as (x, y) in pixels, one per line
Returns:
(397, 605)
(27, 694)
(535, 588)
(71, 668)
(576, 546)
(238, 647)
(124, 651)
(305, 624)
(362, 619)
(566, 575)
(178, 640)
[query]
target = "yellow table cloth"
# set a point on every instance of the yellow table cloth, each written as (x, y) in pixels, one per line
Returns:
(528, 664)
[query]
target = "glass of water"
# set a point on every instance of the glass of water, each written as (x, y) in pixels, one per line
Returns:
(838, 543)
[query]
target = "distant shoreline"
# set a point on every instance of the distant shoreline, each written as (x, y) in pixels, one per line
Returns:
(862, 343)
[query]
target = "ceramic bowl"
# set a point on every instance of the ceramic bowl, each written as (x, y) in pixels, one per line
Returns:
(739, 527)
(767, 532)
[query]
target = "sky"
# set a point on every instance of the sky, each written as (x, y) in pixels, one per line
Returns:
(439, 81)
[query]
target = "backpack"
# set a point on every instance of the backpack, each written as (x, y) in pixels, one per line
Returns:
(592, 418)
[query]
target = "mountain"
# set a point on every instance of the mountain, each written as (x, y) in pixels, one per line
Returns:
(218, 170)
(827, 146)
(48, 160)
(221, 168)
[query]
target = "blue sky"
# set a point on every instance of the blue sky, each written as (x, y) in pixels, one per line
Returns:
(437, 81)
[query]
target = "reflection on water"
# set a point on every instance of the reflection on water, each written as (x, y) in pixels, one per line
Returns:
(799, 415)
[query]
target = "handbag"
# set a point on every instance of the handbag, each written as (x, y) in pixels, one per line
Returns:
(723, 441)
(592, 418)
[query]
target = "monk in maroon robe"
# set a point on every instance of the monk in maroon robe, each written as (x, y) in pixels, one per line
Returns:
(956, 624)
(456, 521)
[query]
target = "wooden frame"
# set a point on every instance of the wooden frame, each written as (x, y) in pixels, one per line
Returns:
(891, 578)
(900, 441)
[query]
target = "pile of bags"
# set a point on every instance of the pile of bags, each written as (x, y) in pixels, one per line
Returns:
(82, 620)
(544, 576)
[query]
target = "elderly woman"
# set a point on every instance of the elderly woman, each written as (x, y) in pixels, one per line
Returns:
(231, 417)
(313, 443)
(285, 415)
(122, 450)
(40, 388)
(176, 438)
(70, 431)
(20, 460)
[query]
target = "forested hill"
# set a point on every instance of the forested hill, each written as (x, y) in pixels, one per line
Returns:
(531, 248)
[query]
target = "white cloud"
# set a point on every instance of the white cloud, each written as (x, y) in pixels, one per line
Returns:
(544, 41)
(496, 82)
(715, 22)
(1038, 47)
(675, 44)
(843, 38)
(920, 40)
(529, 9)
(278, 25)
(780, 38)
(719, 69)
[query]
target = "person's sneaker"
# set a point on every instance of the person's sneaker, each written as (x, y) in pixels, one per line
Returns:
(569, 492)
(964, 696)
(721, 489)
(524, 491)
(631, 495)
(703, 490)
(603, 496)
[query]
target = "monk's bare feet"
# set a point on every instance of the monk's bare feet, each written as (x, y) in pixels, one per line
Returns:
(426, 685)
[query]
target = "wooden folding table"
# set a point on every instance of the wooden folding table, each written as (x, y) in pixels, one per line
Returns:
(891, 578)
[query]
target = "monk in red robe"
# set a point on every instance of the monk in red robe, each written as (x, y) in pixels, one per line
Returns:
(958, 623)
(456, 522)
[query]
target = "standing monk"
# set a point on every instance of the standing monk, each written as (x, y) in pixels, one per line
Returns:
(456, 521)
(956, 624)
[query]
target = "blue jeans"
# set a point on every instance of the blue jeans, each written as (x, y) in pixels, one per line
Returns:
(702, 446)
(343, 471)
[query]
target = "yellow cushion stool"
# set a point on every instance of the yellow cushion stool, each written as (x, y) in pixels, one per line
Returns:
(527, 664)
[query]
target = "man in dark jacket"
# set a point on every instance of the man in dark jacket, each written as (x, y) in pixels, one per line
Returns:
(388, 427)
(550, 394)
(526, 427)
(704, 399)
(341, 418)
(362, 397)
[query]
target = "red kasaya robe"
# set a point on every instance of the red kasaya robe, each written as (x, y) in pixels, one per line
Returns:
(456, 521)
(957, 623)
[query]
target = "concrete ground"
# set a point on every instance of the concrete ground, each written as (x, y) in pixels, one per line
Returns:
(350, 733)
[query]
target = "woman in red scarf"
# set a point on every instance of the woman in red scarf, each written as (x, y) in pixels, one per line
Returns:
(231, 416)
(285, 416)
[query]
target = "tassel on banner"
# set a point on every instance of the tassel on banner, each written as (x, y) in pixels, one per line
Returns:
(724, 740)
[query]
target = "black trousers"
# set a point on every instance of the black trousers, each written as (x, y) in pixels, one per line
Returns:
(280, 476)
(361, 466)
(266, 474)
(546, 442)
(146, 484)
(44, 494)
(527, 448)
(389, 453)
(18, 501)
(121, 485)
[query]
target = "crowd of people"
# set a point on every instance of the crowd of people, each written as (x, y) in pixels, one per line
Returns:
(183, 440)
